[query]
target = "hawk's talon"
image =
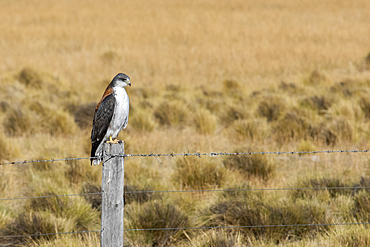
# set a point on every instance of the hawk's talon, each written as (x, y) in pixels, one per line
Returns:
(115, 141)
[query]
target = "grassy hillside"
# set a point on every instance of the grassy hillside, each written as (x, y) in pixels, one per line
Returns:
(206, 76)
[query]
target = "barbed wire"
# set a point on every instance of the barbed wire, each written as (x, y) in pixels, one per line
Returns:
(46, 196)
(47, 234)
(193, 228)
(258, 226)
(44, 160)
(191, 191)
(246, 189)
(212, 154)
(198, 154)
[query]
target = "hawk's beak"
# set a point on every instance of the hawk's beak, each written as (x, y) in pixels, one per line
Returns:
(129, 83)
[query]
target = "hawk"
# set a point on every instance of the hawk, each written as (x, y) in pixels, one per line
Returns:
(111, 115)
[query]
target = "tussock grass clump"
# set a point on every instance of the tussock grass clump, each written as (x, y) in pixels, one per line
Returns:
(291, 127)
(306, 145)
(229, 114)
(288, 87)
(255, 129)
(32, 223)
(343, 129)
(361, 207)
(318, 103)
(251, 165)
(367, 62)
(4, 106)
(344, 87)
(353, 237)
(294, 127)
(74, 209)
(30, 77)
(238, 192)
(78, 172)
(232, 88)
(131, 197)
(93, 199)
(218, 238)
(42, 166)
(322, 134)
(364, 104)
(271, 108)
(199, 173)
(38, 118)
(173, 88)
(109, 56)
(321, 186)
(18, 122)
(84, 115)
(316, 78)
(82, 239)
(254, 212)
(156, 215)
(7, 149)
(142, 92)
(364, 182)
(142, 122)
(60, 122)
(171, 113)
(204, 121)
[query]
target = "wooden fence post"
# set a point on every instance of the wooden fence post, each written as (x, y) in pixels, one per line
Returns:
(112, 196)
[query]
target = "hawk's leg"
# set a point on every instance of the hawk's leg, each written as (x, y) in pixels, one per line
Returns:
(112, 141)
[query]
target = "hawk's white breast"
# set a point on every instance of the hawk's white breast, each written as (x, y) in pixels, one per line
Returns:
(121, 111)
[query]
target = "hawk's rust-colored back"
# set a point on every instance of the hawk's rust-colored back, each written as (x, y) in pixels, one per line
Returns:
(107, 92)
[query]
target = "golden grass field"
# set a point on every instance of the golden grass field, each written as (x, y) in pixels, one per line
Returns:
(207, 76)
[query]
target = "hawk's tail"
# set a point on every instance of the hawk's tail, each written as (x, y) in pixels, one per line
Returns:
(94, 153)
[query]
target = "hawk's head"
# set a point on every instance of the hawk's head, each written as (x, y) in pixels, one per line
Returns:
(121, 80)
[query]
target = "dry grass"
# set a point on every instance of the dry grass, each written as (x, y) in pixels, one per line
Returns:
(206, 76)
